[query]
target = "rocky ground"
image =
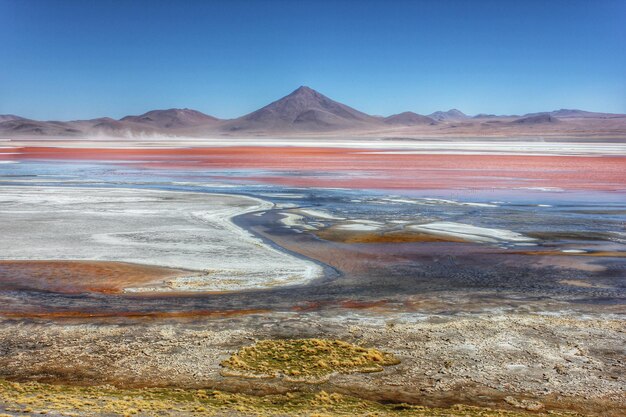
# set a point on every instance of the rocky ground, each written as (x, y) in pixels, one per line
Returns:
(506, 361)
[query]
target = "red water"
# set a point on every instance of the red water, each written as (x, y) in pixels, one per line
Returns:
(355, 169)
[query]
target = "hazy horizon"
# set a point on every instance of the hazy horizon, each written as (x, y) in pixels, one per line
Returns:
(72, 60)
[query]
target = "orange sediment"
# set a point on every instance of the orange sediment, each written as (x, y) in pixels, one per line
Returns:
(381, 237)
(75, 277)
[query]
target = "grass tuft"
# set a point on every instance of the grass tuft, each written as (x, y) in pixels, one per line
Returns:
(307, 360)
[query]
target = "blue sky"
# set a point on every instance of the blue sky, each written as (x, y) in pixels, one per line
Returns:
(82, 59)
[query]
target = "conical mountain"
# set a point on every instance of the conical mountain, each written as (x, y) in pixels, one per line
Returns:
(303, 110)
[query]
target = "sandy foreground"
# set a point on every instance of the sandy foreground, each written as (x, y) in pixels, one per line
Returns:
(188, 231)
(505, 361)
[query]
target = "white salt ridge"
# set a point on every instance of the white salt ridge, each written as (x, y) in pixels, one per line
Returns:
(361, 225)
(471, 233)
(372, 222)
(400, 200)
(364, 145)
(295, 220)
(285, 205)
(204, 184)
(282, 195)
(320, 214)
(437, 201)
(358, 227)
(545, 189)
(460, 203)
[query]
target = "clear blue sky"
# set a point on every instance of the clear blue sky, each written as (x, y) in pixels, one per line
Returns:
(82, 59)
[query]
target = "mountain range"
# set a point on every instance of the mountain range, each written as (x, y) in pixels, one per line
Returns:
(307, 112)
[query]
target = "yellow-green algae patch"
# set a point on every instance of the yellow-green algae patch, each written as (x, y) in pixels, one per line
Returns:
(307, 360)
(43, 399)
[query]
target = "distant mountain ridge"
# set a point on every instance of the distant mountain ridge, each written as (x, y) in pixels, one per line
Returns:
(574, 113)
(171, 118)
(537, 119)
(306, 111)
(408, 118)
(452, 114)
(8, 117)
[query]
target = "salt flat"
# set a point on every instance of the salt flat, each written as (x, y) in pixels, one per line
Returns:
(363, 145)
(191, 231)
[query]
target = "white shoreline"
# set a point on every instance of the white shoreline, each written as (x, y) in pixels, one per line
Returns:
(363, 145)
(182, 230)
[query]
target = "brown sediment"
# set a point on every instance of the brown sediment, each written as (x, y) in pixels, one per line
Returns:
(309, 306)
(582, 284)
(362, 305)
(335, 235)
(73, 314)
(75, 277)
(348, 256)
